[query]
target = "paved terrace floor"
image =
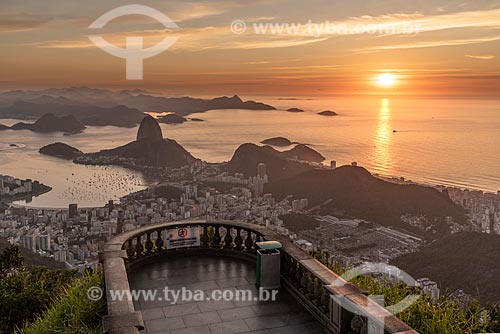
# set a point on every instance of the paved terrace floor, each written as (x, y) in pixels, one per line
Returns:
(283, 316)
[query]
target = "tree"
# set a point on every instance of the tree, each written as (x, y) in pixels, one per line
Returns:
(25, 294)
(11, 261)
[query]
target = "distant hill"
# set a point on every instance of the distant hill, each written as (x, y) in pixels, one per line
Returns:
(60, 150)
(303, 152)
(277, 141)
(32, 259)
(248, 156)
(468, 260)
(150, 149)
(52, 123)
(354, 192)
(172, 119)
(84, 97)
(87, 114)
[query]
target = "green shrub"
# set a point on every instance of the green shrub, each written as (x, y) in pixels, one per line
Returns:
(446, 316)
(25, 294)
(72, 312)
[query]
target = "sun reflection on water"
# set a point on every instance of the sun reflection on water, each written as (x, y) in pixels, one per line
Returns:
(382, 140)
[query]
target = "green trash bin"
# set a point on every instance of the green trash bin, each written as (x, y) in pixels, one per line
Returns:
(268, 264)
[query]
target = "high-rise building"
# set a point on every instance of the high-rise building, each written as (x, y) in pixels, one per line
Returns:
(110, 206)
(43, 242)
(73, 210)
(333, 164)
(29, 241)
(261, 169)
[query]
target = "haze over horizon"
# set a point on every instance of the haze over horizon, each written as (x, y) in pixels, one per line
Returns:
(454, 53)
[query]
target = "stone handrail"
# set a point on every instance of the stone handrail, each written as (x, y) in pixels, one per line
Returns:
(319, 289)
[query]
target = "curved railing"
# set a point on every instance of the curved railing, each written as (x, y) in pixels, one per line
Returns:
(229, 237)
(322, 292)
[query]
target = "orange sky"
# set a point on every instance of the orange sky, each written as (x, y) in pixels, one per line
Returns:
(455, 51)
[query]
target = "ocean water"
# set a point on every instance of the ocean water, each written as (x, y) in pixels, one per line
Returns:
(451, 142)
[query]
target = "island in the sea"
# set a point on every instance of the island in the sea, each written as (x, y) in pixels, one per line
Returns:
(52, 123)
(171, 119)
(61, 150)
(86, 113)
(277, 141)
(328, 113)
(295, 110)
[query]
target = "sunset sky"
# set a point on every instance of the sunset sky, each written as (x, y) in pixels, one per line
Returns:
(456, 51)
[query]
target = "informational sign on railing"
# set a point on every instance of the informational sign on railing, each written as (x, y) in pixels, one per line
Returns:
(183, 237)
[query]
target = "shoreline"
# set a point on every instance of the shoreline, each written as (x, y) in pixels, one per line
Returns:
(387, 178)
(22, 197)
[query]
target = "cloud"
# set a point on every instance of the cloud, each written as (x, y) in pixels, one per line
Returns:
(480, 23)
(193, 39)
(482, 57)
(429, 44)
(8, 25)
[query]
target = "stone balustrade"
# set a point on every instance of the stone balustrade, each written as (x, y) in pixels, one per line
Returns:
(340, 306)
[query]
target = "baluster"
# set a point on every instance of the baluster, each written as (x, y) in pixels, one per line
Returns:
(298, 276)
(159, 242)
(228, 239)
(238, 241)
(138, 246)
(130, 249)
(358, 324)
(304, 281)
(249, 242)
(293, 270)
(325, 301)
(284, 264)
(311, 281)
(149, 243)
(205, 238)
(217, 239)
(318, 287)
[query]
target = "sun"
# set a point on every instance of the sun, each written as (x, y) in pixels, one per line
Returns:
(386, 80)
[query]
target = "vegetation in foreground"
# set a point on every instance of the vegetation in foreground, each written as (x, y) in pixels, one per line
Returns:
(40, 300)
(427, 316)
